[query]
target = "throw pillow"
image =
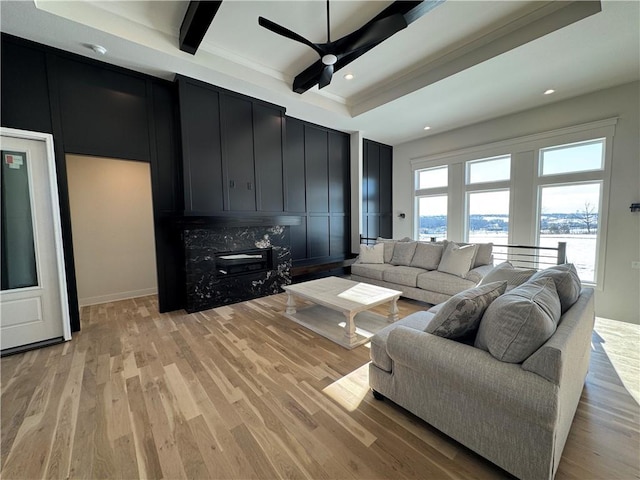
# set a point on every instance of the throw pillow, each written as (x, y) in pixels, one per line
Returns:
(460, 315)
(520, 322)
(484, 255)
(388, 247)
(403, 253)
(457, 260)
(427, 256)
(506, 271)
(372, 253)
(567, 283)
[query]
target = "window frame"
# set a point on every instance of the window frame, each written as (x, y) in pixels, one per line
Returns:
(524, 183)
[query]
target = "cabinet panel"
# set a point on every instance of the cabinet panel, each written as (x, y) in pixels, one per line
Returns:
(237, 147)
(318, 236)
(372, 225)
(317, 171)
(298, 237)
(200, 121)
(339, 235)
(25, 92)
(294, 167)
(373, 178)
(267, 135)
(339, 199)
(103, 112)
(386, 180)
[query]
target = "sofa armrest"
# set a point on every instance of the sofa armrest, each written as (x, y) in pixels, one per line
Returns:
(473, 372)
(478, 273)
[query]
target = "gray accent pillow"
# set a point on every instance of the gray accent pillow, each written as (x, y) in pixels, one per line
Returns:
(567, 283)
(372, 253)
(520, 322)
(457, 260)
(460, 315)
(389, 245)
(506, 271)
(427, 256)
(403, 253)
(484, 255)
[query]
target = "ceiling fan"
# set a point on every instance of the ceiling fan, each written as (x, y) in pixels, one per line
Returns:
(330, 52)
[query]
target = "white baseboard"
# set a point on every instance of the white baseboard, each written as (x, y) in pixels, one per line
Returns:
(114, 297)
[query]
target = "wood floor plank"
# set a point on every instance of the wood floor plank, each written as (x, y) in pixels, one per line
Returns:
(242, 392)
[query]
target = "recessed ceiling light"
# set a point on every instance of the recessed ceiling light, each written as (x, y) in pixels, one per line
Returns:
(549, 92)
(99, 49)
(349, 76)
(427, 128)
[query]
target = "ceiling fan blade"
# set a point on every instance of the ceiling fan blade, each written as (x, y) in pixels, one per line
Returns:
(371, 34)
(285, 32)
(325, 76)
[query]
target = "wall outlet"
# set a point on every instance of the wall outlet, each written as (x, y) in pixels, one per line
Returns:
(635, 265)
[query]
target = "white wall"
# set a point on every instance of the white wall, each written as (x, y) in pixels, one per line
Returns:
(112, 226)
(620, 297)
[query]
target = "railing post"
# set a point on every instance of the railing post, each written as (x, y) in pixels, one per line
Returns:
(562, 253)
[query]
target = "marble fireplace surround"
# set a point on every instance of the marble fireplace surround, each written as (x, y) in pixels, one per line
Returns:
(205, 236)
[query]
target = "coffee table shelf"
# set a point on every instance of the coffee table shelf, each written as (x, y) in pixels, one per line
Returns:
(338, 304)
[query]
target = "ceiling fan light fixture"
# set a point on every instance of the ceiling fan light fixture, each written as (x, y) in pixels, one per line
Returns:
(329, 59)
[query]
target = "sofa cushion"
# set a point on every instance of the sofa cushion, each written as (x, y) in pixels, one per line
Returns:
(403, 253)
(507, 272)
(484, 255)
(379, 355)
(389, 245)
(427, 255)
(517, 323)
(372, 253)
(567, 283)
(444, 283)
(457, 260)
(402, 275)
(461, 314)
(370, 270)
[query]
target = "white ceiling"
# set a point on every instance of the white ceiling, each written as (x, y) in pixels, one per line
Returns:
(432, 73)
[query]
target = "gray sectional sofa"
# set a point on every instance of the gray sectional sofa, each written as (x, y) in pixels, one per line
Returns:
(509, 390)
(416, 268)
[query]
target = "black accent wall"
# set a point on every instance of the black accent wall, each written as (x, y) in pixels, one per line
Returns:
(317, 185)
(211, 152)
(92, 108)
(376, 189)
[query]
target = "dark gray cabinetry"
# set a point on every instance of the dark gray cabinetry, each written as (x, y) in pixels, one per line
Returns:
(317, 188)
(232, 149)
(377, 189)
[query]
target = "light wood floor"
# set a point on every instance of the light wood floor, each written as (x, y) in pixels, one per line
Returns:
(242, 392)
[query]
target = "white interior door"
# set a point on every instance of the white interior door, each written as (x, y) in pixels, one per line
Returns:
(33, 298)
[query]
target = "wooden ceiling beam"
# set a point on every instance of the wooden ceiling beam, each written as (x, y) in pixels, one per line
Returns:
(195, 24)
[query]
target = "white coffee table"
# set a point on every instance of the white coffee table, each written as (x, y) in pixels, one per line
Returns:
(338, 304)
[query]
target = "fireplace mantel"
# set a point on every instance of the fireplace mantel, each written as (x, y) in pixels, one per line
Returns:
(190, 221)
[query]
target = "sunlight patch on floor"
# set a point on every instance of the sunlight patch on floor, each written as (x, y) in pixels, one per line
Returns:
(351, 389)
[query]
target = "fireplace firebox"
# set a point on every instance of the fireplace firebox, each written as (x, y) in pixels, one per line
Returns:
(240, 262)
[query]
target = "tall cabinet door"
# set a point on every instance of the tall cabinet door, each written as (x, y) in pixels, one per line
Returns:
(268, 140)
(238, 147)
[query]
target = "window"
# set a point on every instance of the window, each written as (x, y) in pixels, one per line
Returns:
(578, 157)
(431, 196)
(538, 189)
(489, 170)
(488, 217)
(571, 213)
(432, 217)
(432, 178)
(487, 205)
